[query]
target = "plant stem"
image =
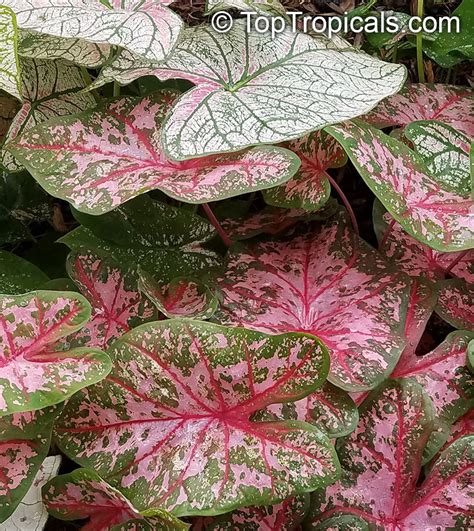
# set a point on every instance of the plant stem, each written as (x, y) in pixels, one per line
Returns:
(346, 203)
(116, 89)
(212, 218)
(386, 234)
(88, 81)
(419, 45)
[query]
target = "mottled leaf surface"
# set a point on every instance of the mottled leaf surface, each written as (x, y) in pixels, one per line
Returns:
(442, 219)
(327, 282)
(170, 425)
(449, 104)
(10, 76)
(104, 157)
(24, 443)
(36, 369)
(17, 275)
(261, 7)
(83, 494)
(309, 189)
(456, 303)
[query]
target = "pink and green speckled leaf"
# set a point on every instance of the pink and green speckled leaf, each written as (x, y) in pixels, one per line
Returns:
(24, 443)
(117, 304)
(36, 369)
(442, 219)
(327, 282)
(463, 426)
(181, 297)
(456, 303)
(103, 157)
(449, 104)
(309, 189)
(83, 494)
(170, 427)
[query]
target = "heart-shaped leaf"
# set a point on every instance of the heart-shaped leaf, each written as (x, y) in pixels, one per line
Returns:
(166, 241)
(170, 426)
(18, 275)
(117, 304)
(327, 282)
(181, 297)
(309, 188)
(449, 104)
(37, 370)
(381, 463)
(50, 89)
(262, 81)
(10, 77)
(147, 28)
(400, 179)
(24, 443)
(65, 158)
(456, 303)
(83, 494)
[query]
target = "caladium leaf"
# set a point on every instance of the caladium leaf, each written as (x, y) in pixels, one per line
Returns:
(24, 443)
(64, 157)
(117, 304)
(309, 188)
(170, 425)
(261, 7)
(83, 494)
(10, 76)
(449, 104)
(181, 297)
(37, 369)
(415, 258)
(37, 46)
(399, 178)
(50, 89)
(456, 303)
(381, 464)
(147, 28)
(463, 426)
(166, 241)
(329, 283)
(445, 152)
(18, 275)
(258, 80)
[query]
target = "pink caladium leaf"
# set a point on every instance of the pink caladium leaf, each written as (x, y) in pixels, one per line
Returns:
(381, 463)
(65, 157)
(414, 257)
(83, 494)
(442, 219)
(449, 104)
(170, 425)
(37, 370)
(463, 426)
(117, 303)
(327, 282)
(456, 303)
(24, 443)
(309, 189)
(181, 297)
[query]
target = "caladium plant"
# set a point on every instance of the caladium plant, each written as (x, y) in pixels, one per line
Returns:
(456, 303)
(170, 427)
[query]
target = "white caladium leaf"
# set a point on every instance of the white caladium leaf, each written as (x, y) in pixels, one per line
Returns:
(456, 303)
(326, 282)
(10, 76)
(18, 275)
(50, 89)
(38, 46)
(261, 81)
(147, 28)
(415, 258)
(37, 370)
(261, 7)
(117, 304)
(83, 494)
(65, 158)
(181, 297)
(170, 426)
(445, 152)
(381, 463)
(449, 104)
(442, 219)
(309, 188)
(24, 443)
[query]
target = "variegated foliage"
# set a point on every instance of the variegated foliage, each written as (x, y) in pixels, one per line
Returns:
(456, 303)
(10, 77)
